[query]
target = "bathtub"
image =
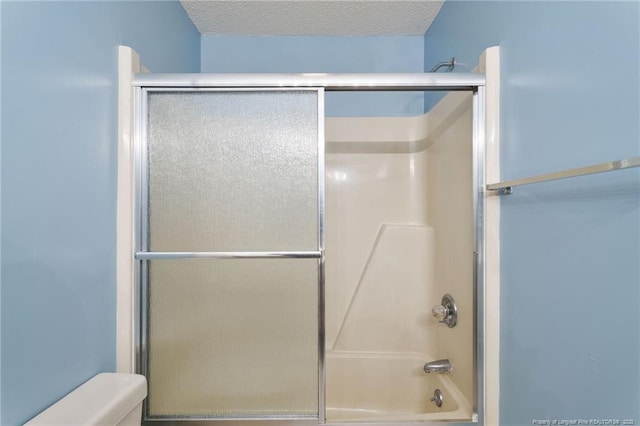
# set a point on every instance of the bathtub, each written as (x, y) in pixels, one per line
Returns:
(388, 387)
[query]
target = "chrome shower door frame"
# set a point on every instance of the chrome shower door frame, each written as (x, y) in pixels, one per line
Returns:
(146, 83)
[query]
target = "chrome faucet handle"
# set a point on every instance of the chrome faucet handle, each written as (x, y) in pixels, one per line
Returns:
(440, 312)
(446, 312)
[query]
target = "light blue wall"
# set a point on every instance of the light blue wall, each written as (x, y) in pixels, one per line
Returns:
(59, 153)
(570, 96)
(294, 54)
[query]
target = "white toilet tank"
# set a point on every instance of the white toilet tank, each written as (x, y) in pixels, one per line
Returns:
(106, 399)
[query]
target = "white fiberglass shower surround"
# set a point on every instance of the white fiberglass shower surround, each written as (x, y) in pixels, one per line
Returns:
(249, 305)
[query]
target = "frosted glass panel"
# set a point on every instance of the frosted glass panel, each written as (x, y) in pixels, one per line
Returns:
(233, 171)
(233, 337)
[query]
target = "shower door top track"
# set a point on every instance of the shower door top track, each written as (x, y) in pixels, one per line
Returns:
(330, 82)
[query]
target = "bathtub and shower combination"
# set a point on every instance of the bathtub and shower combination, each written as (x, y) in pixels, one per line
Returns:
(297, 268)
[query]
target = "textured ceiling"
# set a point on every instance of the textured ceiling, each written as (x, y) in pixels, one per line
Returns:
(312, 17)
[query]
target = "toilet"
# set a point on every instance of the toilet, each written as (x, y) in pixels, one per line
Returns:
(107, 399)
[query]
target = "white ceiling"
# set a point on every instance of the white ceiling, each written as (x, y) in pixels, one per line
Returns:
(312, 17)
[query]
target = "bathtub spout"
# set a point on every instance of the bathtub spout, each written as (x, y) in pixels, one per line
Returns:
(439, 366)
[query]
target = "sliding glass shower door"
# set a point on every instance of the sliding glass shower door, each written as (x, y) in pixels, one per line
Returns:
(230, 252)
